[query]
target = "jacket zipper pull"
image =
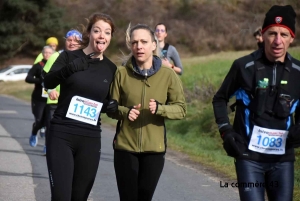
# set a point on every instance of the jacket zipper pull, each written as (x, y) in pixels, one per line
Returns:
(146, 79)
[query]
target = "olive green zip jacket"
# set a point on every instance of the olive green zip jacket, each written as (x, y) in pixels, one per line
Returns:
(147, 133)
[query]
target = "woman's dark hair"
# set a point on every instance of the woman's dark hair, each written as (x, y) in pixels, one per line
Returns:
(163, 25)
(90, 22)
(130, 30)
(257, 32)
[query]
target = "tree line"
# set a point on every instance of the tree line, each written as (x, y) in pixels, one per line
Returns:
(194, 27)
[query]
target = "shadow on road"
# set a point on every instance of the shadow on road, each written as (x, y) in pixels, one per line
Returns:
(16, 118)
(26, 152)
(26, 174)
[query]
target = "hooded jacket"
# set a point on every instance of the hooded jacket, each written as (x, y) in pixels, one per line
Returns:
(132, 86)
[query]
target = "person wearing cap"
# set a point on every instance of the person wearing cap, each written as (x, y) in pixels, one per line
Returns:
(52, 42)
(73, 38)
(264, 133)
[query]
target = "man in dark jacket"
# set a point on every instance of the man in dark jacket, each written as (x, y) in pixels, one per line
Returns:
(264, 134)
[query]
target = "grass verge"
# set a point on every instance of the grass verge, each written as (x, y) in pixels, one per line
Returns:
(19, 89)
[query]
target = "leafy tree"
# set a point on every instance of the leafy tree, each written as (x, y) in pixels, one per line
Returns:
(26, 24)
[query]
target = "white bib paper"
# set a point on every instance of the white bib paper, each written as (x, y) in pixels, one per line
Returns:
(44, 93)
(268, 141)
(84, 110)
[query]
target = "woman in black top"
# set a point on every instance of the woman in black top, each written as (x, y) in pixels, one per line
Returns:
(73, 144)
(38, 103)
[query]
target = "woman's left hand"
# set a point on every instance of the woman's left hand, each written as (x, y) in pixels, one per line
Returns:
(153, 106)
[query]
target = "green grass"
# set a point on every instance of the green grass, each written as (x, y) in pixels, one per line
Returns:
(19, 89)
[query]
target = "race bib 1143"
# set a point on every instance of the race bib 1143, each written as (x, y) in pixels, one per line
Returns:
(84, 110)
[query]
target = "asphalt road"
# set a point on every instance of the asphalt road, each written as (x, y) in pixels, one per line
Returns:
(23, 169)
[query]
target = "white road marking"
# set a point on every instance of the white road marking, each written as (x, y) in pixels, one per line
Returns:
(8, 112)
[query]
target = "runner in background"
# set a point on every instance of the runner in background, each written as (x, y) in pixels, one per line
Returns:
(74, 140)
(72, 42)
(258, 37)
(52, 42)
(38, 102)
(167, 52)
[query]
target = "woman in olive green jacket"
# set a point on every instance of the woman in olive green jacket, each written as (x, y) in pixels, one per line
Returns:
(147, 93)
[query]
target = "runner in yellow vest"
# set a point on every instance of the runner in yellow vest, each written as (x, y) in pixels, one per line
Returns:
(52, 42)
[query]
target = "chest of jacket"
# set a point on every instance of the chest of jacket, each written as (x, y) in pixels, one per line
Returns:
(270, 105)
(266, 84)
(137, 89)
(278, 76)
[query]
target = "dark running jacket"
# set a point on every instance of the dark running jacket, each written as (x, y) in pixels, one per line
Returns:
(241, 82)
(34, 76)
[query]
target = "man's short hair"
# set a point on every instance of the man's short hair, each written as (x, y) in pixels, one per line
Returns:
(257, 32)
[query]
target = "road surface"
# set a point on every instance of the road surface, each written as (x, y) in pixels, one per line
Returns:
(23, 169)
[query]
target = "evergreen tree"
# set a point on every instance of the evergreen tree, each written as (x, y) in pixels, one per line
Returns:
(26, 24)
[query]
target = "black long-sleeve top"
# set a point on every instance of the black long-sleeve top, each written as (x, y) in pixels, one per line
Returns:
(92, 83)
(34, 77)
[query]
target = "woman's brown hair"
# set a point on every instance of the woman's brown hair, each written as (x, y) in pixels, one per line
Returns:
(90, 22)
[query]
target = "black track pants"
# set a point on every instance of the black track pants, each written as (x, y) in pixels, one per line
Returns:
(254, 178)
(39, 113)
(137, 174)
(72, 165)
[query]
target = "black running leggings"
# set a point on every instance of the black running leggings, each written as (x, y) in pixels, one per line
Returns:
(39, 113)
(50, 109)
(72, 165)
(137, 174)
(254, 178)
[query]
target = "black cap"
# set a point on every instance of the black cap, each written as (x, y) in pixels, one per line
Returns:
(283, 16)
